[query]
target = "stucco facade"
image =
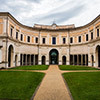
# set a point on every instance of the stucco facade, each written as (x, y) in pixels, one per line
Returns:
(48, 44)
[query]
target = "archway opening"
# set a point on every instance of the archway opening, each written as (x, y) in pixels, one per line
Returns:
(10, 56)
(43, 60)
(98, 56)
(64, 60)
(53, 56)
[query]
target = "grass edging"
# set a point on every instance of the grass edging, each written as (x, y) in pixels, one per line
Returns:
(32, 98)
(67, 87)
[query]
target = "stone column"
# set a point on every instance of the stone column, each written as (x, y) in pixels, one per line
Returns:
(26, 60)
(18, 59)
(34, 60)
(60, 57)
(68, 57)
(47, 59)
(39, 59)
(77, 59)
(73, 60)
(81, 59)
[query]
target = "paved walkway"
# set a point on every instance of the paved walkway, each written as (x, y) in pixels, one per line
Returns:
(52, 86)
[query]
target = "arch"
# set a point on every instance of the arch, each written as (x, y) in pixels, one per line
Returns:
(53, 56)
(64, 60)
(97, 55)
(43, 60)
(10, 56)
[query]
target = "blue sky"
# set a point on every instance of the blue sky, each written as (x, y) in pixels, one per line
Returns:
(64, 12)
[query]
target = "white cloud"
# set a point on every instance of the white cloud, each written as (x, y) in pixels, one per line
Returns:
(28, 12)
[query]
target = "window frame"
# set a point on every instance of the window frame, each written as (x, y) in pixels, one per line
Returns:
(54, 40)
(71, 39)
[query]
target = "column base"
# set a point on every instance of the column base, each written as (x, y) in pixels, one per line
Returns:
(60, 63)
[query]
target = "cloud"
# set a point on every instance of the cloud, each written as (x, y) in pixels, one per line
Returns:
(29, 12)
(62, 16)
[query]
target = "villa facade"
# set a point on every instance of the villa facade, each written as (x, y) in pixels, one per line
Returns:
(48, 44)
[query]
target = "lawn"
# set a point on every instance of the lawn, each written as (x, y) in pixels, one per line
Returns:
(84, 85)
(72, 67)
(34, 67)
(19, 85)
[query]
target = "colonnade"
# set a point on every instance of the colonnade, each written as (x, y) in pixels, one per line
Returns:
(79, 59)
(28, 59)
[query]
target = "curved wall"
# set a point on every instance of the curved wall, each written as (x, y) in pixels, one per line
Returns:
(31, 43)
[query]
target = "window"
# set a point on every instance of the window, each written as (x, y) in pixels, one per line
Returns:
(71, 40)
(21, 37)
(36, 40)
(43, 40)
(28, 39)
(87, 37)
(53, 40)
(11, 32)
(16, 35)
(64, 40)
(79, 39)
(91, 35)
(97, 32)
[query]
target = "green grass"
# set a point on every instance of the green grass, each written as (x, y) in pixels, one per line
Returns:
(19, 85)
(72, 67)
(34, 67)
(84, 85)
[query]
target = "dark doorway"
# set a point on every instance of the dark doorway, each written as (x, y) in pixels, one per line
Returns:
(43, 60)
(98, 56)
(53, 55)
(64, 60)
(10, 56)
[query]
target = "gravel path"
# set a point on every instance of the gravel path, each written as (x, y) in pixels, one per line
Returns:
(52, 86)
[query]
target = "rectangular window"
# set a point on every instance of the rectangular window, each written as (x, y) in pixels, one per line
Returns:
(16, 35)
(36, 40)
(53, 40)
(79, 39)
(11, 32)
(87, 37)
(43, 41)
(71, 40)
(64, 40)
(28, 39)
(97, 32)
(91, 35)
(21, 37)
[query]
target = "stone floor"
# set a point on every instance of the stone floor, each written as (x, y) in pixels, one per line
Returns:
(52, 86)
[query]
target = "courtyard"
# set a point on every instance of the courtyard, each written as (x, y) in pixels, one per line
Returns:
(42, 82)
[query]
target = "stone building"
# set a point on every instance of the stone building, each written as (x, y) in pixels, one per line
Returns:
(48, 44)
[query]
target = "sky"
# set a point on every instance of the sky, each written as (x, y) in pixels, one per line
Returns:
(45, 12)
